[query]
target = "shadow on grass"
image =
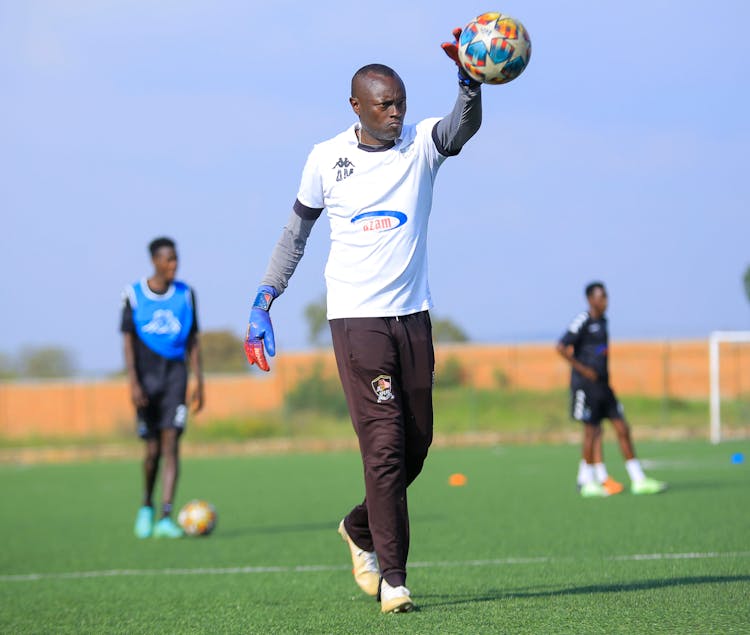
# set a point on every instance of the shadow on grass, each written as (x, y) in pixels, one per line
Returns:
(294, 528)
(435, 600)
(684, 486)
(277, 529)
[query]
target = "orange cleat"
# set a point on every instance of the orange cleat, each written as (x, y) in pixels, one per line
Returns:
(612, 486)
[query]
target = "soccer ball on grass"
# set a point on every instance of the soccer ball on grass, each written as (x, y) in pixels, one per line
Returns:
(197, 518)
(494, 48)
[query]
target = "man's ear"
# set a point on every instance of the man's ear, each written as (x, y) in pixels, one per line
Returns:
(355, 105)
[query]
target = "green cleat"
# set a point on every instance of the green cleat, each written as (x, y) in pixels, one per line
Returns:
(648, 486)
(167, 528)
(144, 522)
(593, 490)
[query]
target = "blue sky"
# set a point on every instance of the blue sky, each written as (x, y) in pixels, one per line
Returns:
(621, 154)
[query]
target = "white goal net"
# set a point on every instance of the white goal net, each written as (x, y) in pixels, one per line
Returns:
(729, 368)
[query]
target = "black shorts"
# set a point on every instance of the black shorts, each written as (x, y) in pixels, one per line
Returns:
(166, 403)
(590, 403)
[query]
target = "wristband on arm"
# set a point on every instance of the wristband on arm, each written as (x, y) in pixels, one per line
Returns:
(264, 299)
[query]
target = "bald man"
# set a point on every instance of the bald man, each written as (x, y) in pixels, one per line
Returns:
(375, 182)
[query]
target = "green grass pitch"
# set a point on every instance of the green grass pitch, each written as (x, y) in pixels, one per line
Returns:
(514, 551)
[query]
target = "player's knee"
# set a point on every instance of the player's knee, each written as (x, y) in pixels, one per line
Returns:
(153, 450)
(590, 431)
(621, 427)
(169, 443)
(385, 465)
(171, 450)
(151, 461)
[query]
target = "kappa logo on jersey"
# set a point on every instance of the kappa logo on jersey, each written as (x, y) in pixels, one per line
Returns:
(382, 387)
(345, 168)
(379, 221)
(163, 322)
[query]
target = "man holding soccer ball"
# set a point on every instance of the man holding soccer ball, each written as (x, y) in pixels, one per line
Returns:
(375, 182)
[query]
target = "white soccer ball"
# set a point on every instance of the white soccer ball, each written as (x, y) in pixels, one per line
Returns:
(197, 518)
(494, 48)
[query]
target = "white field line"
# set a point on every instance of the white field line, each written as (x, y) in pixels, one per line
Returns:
(114, 573)
(683, 556)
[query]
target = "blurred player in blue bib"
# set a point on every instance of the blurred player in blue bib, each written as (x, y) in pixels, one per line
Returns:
(160, 332)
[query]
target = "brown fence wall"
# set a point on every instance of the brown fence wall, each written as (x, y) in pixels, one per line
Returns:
(673, 369)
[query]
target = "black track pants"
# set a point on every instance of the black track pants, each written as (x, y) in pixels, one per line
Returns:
(386, 367)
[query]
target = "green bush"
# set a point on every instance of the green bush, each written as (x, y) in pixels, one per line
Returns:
(450, 374)
(317, 392)
(502, 380)
(236, 429)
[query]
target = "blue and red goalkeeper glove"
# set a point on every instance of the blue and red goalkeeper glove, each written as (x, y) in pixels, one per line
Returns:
(451, 50)
(259, 337)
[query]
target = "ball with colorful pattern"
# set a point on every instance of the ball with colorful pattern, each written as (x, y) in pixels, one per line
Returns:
(494, 48)
(197, 518)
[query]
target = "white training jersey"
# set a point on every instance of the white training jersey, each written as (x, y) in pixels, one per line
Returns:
(378, 204)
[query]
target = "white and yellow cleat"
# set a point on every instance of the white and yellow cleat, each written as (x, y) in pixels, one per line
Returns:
(364, 565)
(395, 599)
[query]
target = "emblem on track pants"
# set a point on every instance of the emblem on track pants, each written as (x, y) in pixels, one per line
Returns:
(382, 387)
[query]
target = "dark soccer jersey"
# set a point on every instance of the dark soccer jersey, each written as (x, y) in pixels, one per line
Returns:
(590, 341)
(153, 370)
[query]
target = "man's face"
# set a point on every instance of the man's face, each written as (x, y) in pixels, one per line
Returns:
(598, 300)
(165, 263)
(380, 103)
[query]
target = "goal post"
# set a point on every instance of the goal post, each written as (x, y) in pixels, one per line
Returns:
(715, 340)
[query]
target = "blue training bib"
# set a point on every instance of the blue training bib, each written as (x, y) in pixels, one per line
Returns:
(162, 321)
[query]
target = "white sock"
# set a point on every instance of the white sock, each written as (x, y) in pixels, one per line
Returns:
(586, 473)
(635, 471)
(600, 471)
(581, 470)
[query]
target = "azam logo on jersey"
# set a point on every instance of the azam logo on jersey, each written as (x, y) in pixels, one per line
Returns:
(379, 221)
(163, 322)
(345, 168)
